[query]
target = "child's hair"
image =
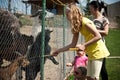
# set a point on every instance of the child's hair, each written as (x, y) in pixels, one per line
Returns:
(83, 70)
(76, 18)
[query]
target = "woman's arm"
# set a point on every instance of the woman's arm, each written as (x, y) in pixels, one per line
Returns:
(95, 32)
(71, 45)
(104, 32)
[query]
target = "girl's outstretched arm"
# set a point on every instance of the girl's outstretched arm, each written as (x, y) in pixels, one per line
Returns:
(71, 45)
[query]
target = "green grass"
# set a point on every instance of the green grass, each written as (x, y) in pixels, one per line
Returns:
(113, 69)
(113, 42)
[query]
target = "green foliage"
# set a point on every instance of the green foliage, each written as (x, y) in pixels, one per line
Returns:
(86, 10)
(71, 77)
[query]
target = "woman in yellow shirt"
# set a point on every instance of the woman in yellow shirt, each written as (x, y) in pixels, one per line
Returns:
(93, 45)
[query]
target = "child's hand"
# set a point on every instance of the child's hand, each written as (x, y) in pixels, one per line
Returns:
(69, 64)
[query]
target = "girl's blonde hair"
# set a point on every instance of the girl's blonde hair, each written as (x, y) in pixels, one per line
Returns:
(76, 18)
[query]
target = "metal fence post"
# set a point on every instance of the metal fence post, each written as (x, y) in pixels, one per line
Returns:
(43, 39)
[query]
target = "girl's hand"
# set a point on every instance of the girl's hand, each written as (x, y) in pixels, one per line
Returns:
(55, 53)
(69, 64)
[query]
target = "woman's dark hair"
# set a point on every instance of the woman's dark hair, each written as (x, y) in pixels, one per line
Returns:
(99, 5)
(95, 4)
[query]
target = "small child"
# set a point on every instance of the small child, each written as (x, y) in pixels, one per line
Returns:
(79, 60)
(80, 74)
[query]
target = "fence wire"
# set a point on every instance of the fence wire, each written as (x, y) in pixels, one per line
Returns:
(20, 43)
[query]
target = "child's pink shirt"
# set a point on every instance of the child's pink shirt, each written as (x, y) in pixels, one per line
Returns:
(80, 61)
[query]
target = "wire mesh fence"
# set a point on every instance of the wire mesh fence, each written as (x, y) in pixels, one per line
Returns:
(20, 45)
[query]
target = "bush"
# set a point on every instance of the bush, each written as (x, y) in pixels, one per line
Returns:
(71, 77)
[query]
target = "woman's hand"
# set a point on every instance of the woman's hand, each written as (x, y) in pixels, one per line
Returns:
(81, 47)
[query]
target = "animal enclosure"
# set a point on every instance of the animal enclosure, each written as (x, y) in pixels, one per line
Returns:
(27, 39)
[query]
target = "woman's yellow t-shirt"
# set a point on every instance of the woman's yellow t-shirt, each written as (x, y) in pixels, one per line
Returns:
(96, 50)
